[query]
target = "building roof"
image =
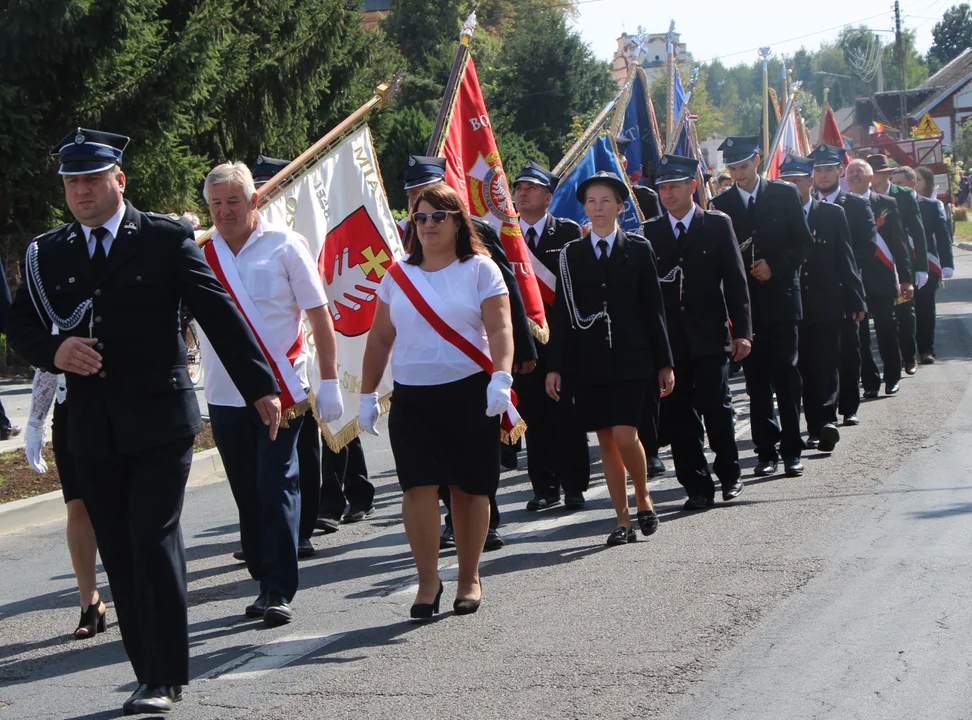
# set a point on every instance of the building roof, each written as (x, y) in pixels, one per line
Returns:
(377, 5)
(844, 118)
(952, 73)
(885, 107)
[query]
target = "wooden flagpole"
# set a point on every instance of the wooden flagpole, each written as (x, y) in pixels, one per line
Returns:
(670, 111)
(764, 53)
(437, 141)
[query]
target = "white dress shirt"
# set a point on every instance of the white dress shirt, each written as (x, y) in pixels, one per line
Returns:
(282, 280)
(686, 221)
(745, 195)
(111, 226)
(806, 208)
(420, 356)
(538, 227)
(832, 198)
(595, 239)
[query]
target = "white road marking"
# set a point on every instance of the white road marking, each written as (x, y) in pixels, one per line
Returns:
(269, 657)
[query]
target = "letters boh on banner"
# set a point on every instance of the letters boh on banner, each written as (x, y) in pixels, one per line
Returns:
(475, 171)
(339, 205)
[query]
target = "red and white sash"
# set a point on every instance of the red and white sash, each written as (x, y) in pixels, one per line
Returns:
(547, 281)
(460, 333)
(220, 259)
(884, 252)
(935, 265)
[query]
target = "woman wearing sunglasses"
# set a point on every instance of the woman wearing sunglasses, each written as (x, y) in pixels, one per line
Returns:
(446, 294)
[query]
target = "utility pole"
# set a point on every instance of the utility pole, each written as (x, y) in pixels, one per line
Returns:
(880, 64)
(899, 46)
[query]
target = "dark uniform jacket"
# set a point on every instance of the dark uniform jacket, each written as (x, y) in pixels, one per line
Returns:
(829, 280)
(713, 290)
(914, 230)
(879, 279)
(628, 289)
(780, 236)
(648, 201)
(556, 233)
(143, 397)
(863, 231)
(524, 348)
(936, 231)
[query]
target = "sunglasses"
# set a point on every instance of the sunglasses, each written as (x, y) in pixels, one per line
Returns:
(438, 217)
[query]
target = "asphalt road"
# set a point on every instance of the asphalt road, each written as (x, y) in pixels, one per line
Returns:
(842, 594)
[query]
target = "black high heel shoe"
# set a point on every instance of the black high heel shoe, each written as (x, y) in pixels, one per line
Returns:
(92, 621)
(425, 611)
(468, 607)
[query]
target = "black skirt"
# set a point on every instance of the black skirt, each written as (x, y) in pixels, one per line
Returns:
(440, 435)
(63, 457)
(603, 406)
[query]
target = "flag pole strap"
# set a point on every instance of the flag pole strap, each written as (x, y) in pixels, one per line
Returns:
(383, 93)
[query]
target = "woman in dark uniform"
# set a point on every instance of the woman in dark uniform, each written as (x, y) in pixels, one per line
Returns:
(608, 334)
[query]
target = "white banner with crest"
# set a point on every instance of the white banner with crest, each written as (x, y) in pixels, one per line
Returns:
(339, 205)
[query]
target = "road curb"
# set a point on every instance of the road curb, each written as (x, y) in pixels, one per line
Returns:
(965, 245)
(207, 468)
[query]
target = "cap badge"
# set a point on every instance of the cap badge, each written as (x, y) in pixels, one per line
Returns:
(411, 162)
(729, 143)
(664, 161)
(79, 138)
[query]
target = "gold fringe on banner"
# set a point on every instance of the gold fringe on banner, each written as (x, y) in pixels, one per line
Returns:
(540, 332)
(336, 441)
(510, 438)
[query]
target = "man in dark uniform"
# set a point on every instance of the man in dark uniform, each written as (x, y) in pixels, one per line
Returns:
(557, 454)
(886, 272)
(941, 265)
(828, 163)
(112, 282)
(419, 172)
(914, 230)
(832, 290)
(774, 239)
(705, 289)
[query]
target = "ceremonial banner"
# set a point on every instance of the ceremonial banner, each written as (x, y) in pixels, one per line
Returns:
(601, 155)
(338, 204)
(790, 142)
(640, 126)
(680, 146)
(474, 169)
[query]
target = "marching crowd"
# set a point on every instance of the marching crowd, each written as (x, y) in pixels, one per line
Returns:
(782, 278)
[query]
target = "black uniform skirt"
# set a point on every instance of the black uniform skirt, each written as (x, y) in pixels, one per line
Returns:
(63, 457)
(440, 435)
(603, 406)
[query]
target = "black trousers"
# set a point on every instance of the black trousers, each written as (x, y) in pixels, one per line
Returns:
(904, 314)
(557, 453)
(309, 474)
(650, 428)
(771, 368)
(820, 360)
(345, 480)
(135, 502)
(925, 311)
(880, 311)
(4, 420)
(701, 392)
(446, 497)
(849, 397)
(265, 481)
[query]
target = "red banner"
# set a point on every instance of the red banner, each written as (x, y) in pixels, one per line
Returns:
(474, 169)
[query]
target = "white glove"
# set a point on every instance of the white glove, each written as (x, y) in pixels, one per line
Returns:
(920, 279)
(368, 412)
(498, 399)
(34, 440)
(328, 402)
(947, 273)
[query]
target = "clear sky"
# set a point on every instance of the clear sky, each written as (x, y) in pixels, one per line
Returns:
(733, 31)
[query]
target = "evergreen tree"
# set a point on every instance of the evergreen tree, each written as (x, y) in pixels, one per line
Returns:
(952, 34)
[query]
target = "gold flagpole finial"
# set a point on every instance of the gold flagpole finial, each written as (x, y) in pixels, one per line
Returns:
(467, 29)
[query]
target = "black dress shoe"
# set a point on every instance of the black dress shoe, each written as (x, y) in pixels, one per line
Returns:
(305, 549)
(468, 606)
(763, 469)
(911, 368)
(927, 359)
(793, 467)
(425, 611)
(622, 536)
(733, 491)
(328, 525)
(574, 501)
(699, 502)
(829, 437)
(494, 541)
(257, 607)
(155, 699)
(278, 610)
(891, 389)
(851, 419)
(133, 697)
(870, 394)
(541, 502)
(239, 555)
(655, 466)
(648, 522)
(10, 432)
(812, 443)
(354, 516)
(448, 538)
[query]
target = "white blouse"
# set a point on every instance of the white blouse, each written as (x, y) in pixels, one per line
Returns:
(420, 356)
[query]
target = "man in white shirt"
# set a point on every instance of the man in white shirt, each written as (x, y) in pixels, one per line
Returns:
(271, 275)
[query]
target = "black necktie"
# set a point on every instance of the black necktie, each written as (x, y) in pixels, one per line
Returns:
(99, 256)
(532, 239)
(751, 207)
(681, 230)
(602, 245)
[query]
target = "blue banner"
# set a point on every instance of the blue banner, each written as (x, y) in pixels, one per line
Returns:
(638, 128)
(681, 148)
(600, 156)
